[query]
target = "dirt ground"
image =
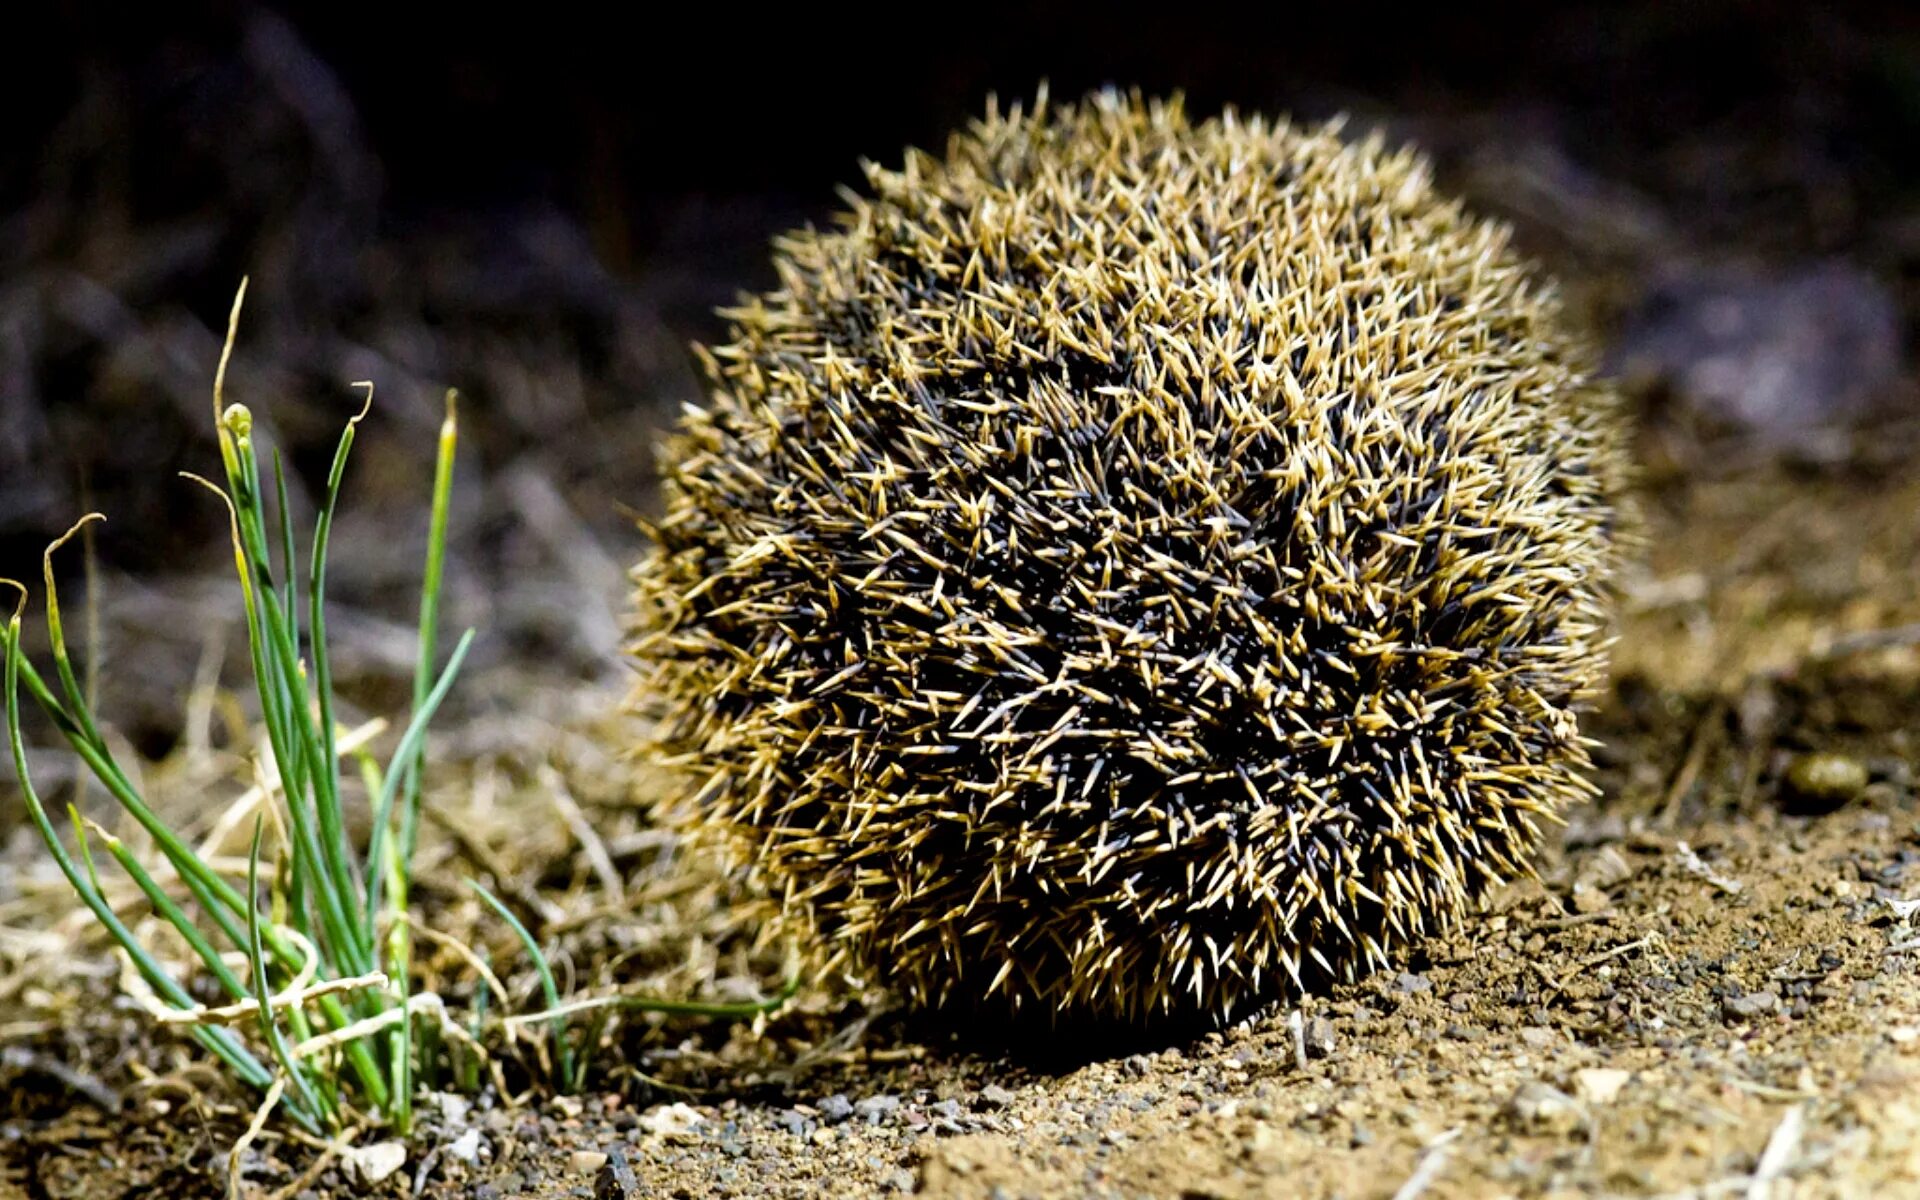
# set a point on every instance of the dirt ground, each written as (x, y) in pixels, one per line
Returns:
(1713, 990)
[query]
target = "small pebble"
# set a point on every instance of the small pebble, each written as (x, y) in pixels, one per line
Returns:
(836, 1108)
(1409, 984)
(995, 1096)
(1321, 1038)
(1753, 1004)
(1822, 781)
(616, 1180)
(1588, 899)
(1543, 1108)
(875, 1109)
(466, 1148)
(373, 1164)
(1600, 1085)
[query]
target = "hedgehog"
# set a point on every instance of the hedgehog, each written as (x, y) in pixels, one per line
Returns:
(1133, 567)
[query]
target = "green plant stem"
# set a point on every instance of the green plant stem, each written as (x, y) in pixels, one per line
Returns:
(263, 989)
(209, 888)
(562, 1051)
(220, 1042)
(400, 950)
(350, 875)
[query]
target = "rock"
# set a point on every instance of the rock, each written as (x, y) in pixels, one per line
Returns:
(1409, 984)
(448, 1108)
(875, 1109)
(1589, 899)
(1320, 1037)
(672, 1122)
(995, 1096)
(1542, 1108)
(1599, 1085)
(1602, 869)
(1822, 782)
(369, 1165)
(467, 1147)
(835, 1109)
(584, 1161)
(1751, 1005)
(616, 1180)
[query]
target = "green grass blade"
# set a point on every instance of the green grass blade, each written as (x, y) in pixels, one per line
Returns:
(290, 586)
(352, 872)
(220, 1042)
(297, 746)
(409, 766)
(56, 634)
(409, 747)
(162, 903)
(165, 906)
(431, 584)
(312, 739)
(301, 1087)
(562, 1052)
(213, 892)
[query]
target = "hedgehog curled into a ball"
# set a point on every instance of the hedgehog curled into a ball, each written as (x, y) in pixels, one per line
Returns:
(1134, 567)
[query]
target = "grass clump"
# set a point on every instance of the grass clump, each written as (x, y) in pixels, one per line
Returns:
(310, 951)
(323, 937)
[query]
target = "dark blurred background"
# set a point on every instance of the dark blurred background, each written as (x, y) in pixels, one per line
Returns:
(541, 206)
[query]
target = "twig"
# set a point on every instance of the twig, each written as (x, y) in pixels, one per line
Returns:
(1593, 960)
(1433, 1160)
(244, 805)
(1298, 1025)
(1779, 1154)
(1571, 920)
(1699, 743)
(290, 998)
(321, 1161)
(460, 948)
(1695, 865)
(583, 832)
(649, 1004)
(259, 1122)
(428, 1002)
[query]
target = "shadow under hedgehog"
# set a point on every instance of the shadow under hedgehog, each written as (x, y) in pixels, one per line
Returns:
(1133, 568)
